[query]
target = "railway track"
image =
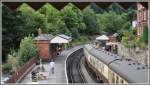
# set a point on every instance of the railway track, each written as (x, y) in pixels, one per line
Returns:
(74, 72)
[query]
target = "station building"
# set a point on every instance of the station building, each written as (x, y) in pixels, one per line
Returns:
(142, 18)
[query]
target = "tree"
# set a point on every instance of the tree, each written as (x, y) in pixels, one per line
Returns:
(53, 18)
(111, 22)
(90, 21)
(33, 19)
(27, 50)
(145, 35)
(13, 60)
(96, 8)
(115, 7)
(73, 19)
(12, 30)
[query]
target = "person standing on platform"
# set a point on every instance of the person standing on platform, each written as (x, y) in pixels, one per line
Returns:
(52, 66)
(59, 49)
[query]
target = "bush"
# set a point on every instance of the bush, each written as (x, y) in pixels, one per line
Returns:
(27, 50)
(6, 68)
(13, 61)
(80, 40)
(144, 36)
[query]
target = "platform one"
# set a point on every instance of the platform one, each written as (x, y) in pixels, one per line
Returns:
(59, 76)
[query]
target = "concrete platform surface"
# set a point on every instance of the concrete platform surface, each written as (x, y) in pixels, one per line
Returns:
(59, 77)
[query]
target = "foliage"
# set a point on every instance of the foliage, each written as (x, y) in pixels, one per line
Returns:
(127, 26)
(33, 20)
(90, 21)
(81, 40)
(6, 68)
(13, 60)
(12, 30)
(12, 63)
(53, 19)
(144, 36)
(96, 8)
(73, 19)
(27, 50)
(70, 21)
(130, 40)
(115, 7)
(111, 20)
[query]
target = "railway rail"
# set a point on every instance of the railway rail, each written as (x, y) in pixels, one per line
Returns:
(74, 73)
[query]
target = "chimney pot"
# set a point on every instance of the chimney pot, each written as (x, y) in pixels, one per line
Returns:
(39, 31)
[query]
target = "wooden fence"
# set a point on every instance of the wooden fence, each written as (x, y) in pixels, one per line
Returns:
(21, 71)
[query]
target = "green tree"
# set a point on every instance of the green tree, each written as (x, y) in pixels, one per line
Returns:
(145, 35)
(90, 21)
(115, 7)
(12, 30)
(33, 19)
(13, 61)
(111, 22)
(73, 19)
(27, 50)
(96, 8)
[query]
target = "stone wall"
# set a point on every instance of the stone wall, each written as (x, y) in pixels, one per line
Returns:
(138, 55)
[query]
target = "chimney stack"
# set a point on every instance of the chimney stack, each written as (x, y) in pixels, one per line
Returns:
(39, 31)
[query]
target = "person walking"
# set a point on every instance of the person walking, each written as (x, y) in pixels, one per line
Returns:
(52, 66)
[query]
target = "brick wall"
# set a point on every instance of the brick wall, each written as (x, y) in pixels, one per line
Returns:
(21, 71)
(142, 18)
(44, 49)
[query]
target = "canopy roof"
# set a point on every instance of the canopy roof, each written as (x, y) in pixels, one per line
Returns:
(111, 43)
(44, 37)
(58, 39)
(65, 37)
(103, 37)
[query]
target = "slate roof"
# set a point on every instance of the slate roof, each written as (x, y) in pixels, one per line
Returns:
(65, 36)
(44, 37)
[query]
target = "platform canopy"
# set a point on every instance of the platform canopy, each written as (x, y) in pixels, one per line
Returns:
(112, 43)
(65, 37)
(102, 37)
(58, 39)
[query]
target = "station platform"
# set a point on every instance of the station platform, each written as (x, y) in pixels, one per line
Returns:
(59, 77)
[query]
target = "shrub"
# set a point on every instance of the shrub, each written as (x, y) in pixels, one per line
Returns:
(6, 68)
(144, 36)
(13, 61)
(27, 50)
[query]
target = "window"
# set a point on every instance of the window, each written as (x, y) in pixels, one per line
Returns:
(145, 14)
(122, 81)
(117, 79)
(113, 77)
(142, 14)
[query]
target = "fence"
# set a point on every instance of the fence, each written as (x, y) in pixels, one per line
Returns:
(19, 74)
